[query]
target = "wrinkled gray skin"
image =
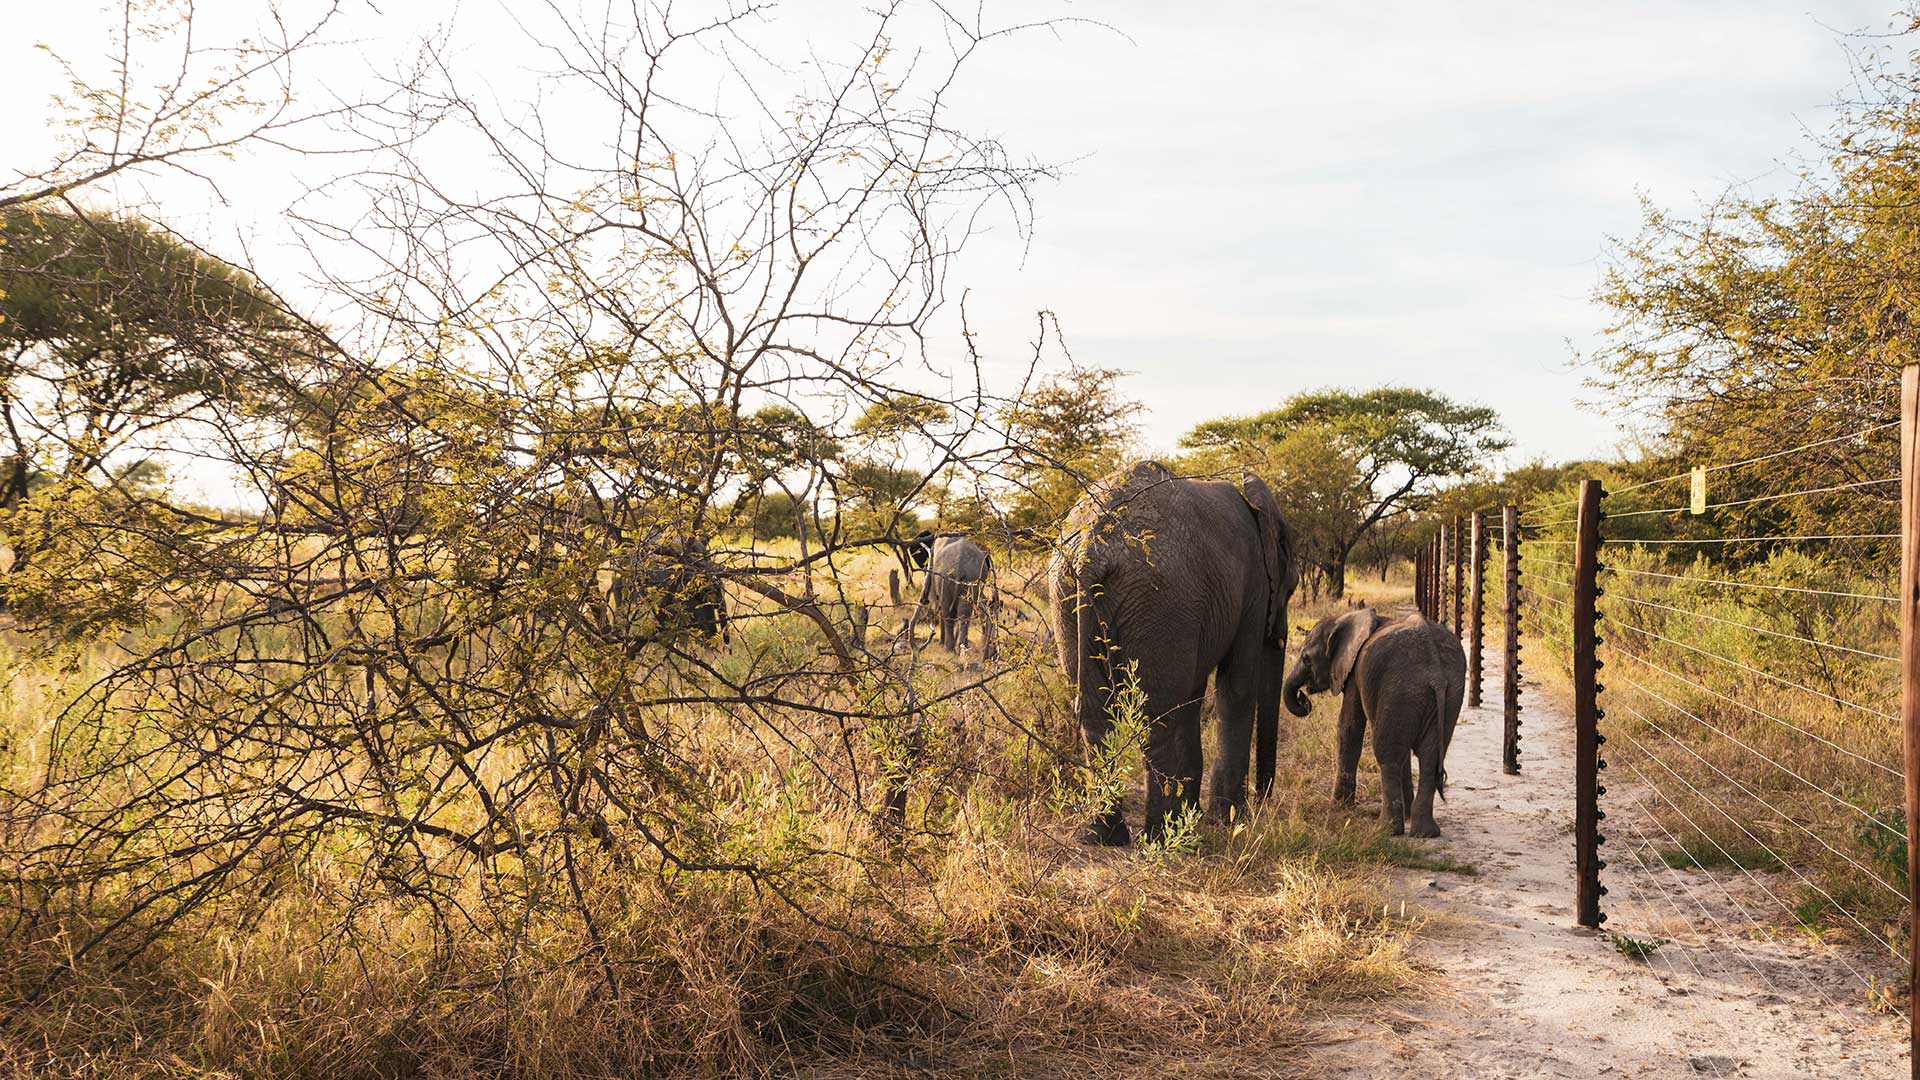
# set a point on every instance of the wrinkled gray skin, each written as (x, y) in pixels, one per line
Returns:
(1187, 579)
(956, 586)
(1406, 680)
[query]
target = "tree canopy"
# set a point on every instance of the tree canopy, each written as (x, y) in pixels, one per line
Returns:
(112, 329)
(1343, 461)
(1760, 324)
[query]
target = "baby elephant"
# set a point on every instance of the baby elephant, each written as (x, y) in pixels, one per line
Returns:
(1406, 678)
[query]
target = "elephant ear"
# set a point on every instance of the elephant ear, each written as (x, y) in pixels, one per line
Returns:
(1350, 634)
(1276, 554)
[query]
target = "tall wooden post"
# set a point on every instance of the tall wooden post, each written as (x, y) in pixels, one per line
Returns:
(1909, 615)
(1441, 561)
(1459, 582)
(1426, 573)
(1510, 668)
(1433, 576)
(1420, 580)
(1476, 605)
(1586, 711)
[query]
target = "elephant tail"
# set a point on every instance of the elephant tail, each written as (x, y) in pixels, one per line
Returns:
(1441, 727)
(989, 606)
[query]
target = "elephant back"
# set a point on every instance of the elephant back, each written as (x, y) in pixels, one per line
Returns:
(1115, 511)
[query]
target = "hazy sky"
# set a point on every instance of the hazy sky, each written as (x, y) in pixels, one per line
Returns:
(1280, 196)
(1261, 198)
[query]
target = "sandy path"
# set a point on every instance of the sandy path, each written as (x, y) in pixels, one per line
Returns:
(1519, 991)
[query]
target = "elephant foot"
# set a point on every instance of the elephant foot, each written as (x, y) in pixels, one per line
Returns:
(1343, 792)
(1425, 829)
(1394, 826)
(1108, 830)
(1226, 811)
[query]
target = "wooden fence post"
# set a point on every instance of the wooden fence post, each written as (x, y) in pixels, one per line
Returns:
(1909, 615)
(1587, 814)
(1510, 667)
(1426, 578)
(1459, 583)
(1476, 606)
(1433, 575)
(1420, 579)
(1441, 560)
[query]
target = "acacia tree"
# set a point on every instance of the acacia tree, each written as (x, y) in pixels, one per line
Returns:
(1066, 430)
(1763, 323)
(1356, 459)
(114, 334)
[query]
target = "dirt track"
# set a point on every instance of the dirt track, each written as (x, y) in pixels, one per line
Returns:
(1518, 991)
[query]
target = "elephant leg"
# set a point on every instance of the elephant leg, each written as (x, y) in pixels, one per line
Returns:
(1266, 724)
(1173, 757)
(1396, 762)
(1432, 756)
(1352, 732)
(1236, 689)
(1109, 827)
(965, 623)
(1190, 754)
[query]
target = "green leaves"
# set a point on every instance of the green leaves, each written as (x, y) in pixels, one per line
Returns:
(1340, 461)
(1419, 431)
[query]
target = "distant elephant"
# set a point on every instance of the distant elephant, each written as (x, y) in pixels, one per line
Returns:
(1182, 579)
(956, 585)
(1406, 679)
(666, 581)
(920, 549)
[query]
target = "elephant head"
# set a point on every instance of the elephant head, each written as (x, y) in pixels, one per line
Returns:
(920, 548)
(1327, 657)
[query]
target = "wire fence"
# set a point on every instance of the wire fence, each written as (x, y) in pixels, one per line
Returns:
(1741, 686)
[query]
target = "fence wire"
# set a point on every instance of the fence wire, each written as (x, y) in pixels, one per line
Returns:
(1750, 706)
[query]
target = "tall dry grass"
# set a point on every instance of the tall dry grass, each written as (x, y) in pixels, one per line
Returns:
(1013, 950)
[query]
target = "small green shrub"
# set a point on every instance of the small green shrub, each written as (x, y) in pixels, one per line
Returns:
(1634, 948)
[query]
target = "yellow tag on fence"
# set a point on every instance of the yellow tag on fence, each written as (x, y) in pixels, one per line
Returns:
(1699, 491)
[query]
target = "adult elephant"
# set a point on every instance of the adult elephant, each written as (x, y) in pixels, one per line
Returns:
(1405, 678)
(1180, 579)
(956, 585)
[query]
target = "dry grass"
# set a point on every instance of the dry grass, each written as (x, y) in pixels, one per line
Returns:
(1022, 953)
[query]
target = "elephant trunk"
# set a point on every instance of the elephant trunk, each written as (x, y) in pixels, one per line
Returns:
(1294, 690)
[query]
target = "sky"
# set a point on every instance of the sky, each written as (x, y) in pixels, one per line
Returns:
(1257, 199)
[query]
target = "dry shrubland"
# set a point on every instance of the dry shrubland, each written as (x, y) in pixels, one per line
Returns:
(992, 942)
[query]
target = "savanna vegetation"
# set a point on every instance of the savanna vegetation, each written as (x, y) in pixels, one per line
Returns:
(367, 712)
(360, 718)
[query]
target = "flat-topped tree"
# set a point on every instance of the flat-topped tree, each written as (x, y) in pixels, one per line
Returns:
(1340, 462)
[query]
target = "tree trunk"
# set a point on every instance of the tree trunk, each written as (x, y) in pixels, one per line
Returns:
(1337, 576)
